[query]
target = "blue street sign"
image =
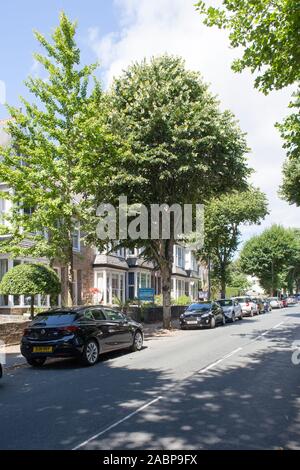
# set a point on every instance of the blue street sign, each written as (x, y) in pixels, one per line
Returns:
(146, 294)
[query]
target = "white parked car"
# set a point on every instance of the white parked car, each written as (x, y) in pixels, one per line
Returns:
(275, 302)
(249, 308)
(231, 309)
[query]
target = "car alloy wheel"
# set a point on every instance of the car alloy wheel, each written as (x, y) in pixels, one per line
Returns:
(137, 341)
(233, 318)
(212, 322)
(223, 320)
(90, 353)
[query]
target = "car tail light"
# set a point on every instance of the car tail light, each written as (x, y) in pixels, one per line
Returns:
(69, 329)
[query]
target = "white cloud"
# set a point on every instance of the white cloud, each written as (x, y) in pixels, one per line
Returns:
(150, 27)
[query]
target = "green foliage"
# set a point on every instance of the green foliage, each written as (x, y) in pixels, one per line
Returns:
(268, 33)
(223, 217)
(181, 147)
(290, 132)
(51, 143)
(182, 300)
(30, 279)
(271, 256)
(237, 280)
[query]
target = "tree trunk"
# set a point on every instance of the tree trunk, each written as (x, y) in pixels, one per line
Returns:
(166, 277)
(71, 280)
(223, 282)
(32, 307)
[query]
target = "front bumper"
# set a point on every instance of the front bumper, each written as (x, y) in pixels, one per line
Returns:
(195, 323)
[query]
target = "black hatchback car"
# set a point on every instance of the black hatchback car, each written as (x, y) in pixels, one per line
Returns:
(84, 332)
(202, 314)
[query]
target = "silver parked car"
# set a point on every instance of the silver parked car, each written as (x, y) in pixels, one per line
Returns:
(249, 308)
(275, 302)
(231, 309)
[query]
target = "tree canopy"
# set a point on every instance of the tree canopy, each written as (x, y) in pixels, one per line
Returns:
(224, 216)
(30, 279)
(44, 164)
(271, 256)
(181, 147)
(268, 33)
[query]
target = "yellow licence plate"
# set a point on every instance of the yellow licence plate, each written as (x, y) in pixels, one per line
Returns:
(43, 349)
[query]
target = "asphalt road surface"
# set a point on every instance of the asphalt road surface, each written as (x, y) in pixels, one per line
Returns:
(234, 387)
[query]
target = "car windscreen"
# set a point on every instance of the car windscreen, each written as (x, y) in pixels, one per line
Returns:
(225, 303)
(55, 318)
(199, 307)
(242, 300)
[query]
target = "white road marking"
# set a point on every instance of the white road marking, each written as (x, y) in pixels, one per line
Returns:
(117, 423)
(201, 371)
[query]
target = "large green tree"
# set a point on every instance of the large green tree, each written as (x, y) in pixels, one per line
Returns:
(224, 216)
(50, 139)
(268, 33)
(181, 148)
(271, 257)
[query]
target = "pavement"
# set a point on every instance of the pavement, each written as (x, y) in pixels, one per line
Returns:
(233, 387)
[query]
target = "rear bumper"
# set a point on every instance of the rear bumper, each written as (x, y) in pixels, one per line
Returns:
(60, 348)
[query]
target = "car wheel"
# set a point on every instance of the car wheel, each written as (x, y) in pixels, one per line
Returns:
(36, 361)
(251, 313)
(137, 341)
(233, 318)
(241, 317)
(223, 320)
(90, 353)
(212, 322)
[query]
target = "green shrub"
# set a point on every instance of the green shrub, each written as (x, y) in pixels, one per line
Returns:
(30, 279)
(182, 300)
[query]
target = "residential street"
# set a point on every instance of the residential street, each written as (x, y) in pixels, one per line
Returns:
(233, 387)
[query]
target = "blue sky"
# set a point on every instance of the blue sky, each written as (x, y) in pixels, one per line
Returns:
(118, 32)
(18, 20)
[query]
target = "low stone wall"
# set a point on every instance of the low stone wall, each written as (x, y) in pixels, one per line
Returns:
(11, 332)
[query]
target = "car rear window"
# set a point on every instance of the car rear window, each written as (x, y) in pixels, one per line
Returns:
(55, 318)
(225, 302)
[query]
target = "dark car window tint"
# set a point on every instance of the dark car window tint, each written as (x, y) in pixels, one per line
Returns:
(98, 314)
(88, 315)
(55, 318)
(113, 315)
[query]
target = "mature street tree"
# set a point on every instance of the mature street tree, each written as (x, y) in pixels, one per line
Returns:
(224, 216)
(30, 279)
(43, 165)
(182, 148)
(238, 282)
(268, 33)
(271, 256)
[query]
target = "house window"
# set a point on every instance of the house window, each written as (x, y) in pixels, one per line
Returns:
(115, 286)
(131, 285)
(3, 270)
(76, 239)
(180, 262)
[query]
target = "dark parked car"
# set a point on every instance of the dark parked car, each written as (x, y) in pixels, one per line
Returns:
(1, 370)
(202, 314)
(83, 332)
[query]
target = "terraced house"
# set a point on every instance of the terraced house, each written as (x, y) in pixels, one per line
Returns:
(103, 277)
